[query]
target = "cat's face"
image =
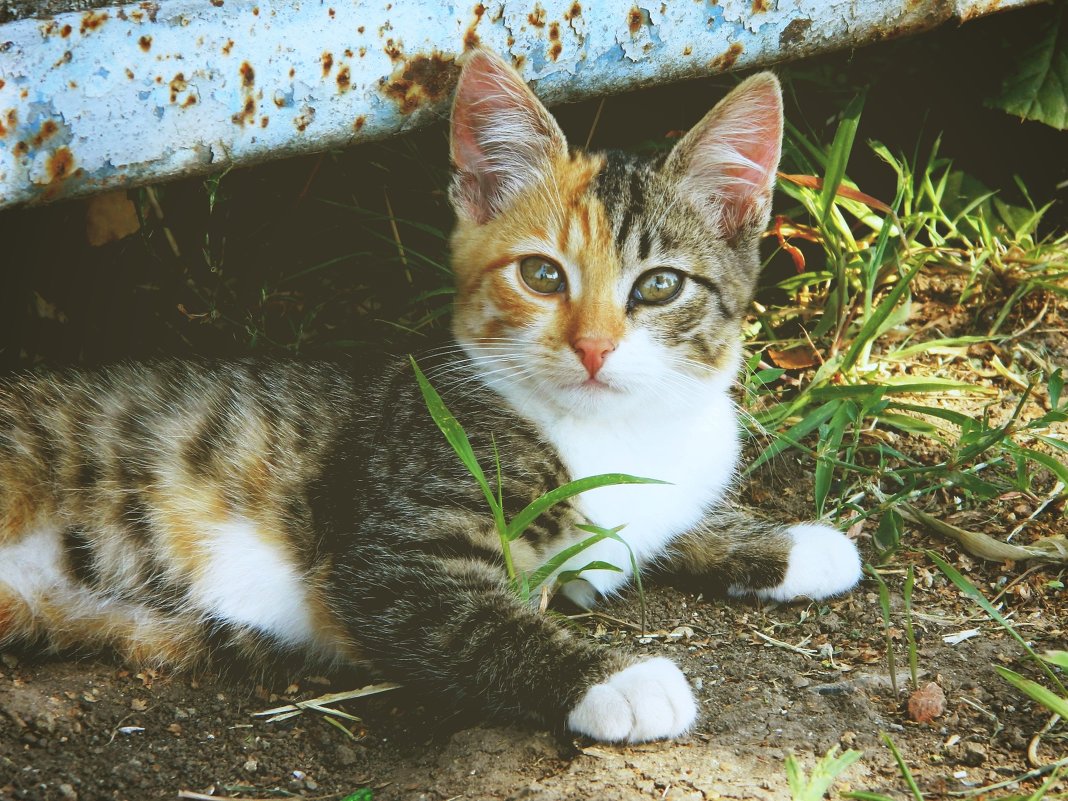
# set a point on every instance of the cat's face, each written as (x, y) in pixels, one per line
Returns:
(588, 283)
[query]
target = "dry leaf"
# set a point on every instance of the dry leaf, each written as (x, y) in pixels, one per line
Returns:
(110, 217)
(927, 703)
(139, 705)
(795, 358)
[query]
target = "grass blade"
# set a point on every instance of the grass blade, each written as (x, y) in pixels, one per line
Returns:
(529, 514)
(839, 155)
(969, 589)
(1035, 691)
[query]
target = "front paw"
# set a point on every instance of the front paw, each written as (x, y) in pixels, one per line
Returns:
(823, 562)
(647, 701)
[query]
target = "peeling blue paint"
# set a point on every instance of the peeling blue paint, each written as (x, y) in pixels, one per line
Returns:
(145, 94)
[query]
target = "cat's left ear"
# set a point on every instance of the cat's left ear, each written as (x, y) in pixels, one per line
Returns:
(726, 164)
(503, 138)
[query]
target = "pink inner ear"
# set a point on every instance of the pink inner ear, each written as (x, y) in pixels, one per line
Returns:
(502, 136)
(735, 153)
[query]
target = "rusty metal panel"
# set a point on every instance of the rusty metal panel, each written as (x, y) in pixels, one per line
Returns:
(144, 92)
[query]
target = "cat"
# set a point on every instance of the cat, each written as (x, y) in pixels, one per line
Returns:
(169, 510)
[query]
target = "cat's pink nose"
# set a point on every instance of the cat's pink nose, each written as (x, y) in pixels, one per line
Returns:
(592, 352)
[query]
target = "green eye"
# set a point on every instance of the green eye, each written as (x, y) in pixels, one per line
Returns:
(542, 275)
(657, 286)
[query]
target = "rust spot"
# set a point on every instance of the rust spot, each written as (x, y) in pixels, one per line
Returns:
(65, 31)
(574, 11)
(191, 100)
(21, 149)
(363, 52)
(12, 119)
(217, 3)
(91, 20)
(72, 84)
(394, 49)
(519, 61)
(45, 132)
(129, 73)
(471, 38)
(360, 122)
(760, 6)
(330, 11)
(554, 37)
(145, 42)
(248, 75)
(24, 94)
(264, 121)
(687, 50)
(255, 11)
(303, 121)
(327, 62)
(226, 48)
(422, 79)
(537, 16)
(247, 113)
(348, 53)
(726, 59)
(360, 29)
(159, 79)
(178, 84)
(794, 32)
(151, 8)
(3, 83)
(634, 20)
(60, 164)
(343, 79)
(64, 59)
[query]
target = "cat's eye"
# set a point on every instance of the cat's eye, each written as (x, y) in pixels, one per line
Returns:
(543, 276)
(657, 286)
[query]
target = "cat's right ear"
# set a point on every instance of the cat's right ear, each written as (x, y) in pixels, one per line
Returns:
(503, 138)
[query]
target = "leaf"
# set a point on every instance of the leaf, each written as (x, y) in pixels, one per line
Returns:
(1053, 702)
(1047, 549)
(794, 358)
(109, 217)
(838, 157)
(520, 522)
(848, 192)
(1038, 87)
(970, 590)
(1058, 658)
(793, 435)
(570, 575)
(453, 431)
(546, 570)
(830, 441)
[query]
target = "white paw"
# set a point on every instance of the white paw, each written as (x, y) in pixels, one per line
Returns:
(647, 701)
(823, 562)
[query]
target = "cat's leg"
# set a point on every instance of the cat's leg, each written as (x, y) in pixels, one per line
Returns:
(453, 627)
(744, 555)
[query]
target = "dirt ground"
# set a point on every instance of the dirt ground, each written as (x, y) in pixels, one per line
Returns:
(771, 680)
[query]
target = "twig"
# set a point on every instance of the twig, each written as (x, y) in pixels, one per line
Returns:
(1031, 774)
(157, 209)
(1032, 747)
(593, 125)
(616, 620)
(396, 237)
(797, 649)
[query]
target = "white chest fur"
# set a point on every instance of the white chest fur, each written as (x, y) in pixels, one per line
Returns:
(695, 449)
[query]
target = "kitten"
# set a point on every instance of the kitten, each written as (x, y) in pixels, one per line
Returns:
(168, 510)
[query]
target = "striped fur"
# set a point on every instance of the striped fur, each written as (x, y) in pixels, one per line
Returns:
(170, 511)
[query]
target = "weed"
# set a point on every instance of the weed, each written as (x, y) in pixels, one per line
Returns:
(824, 773)
(525, 584)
